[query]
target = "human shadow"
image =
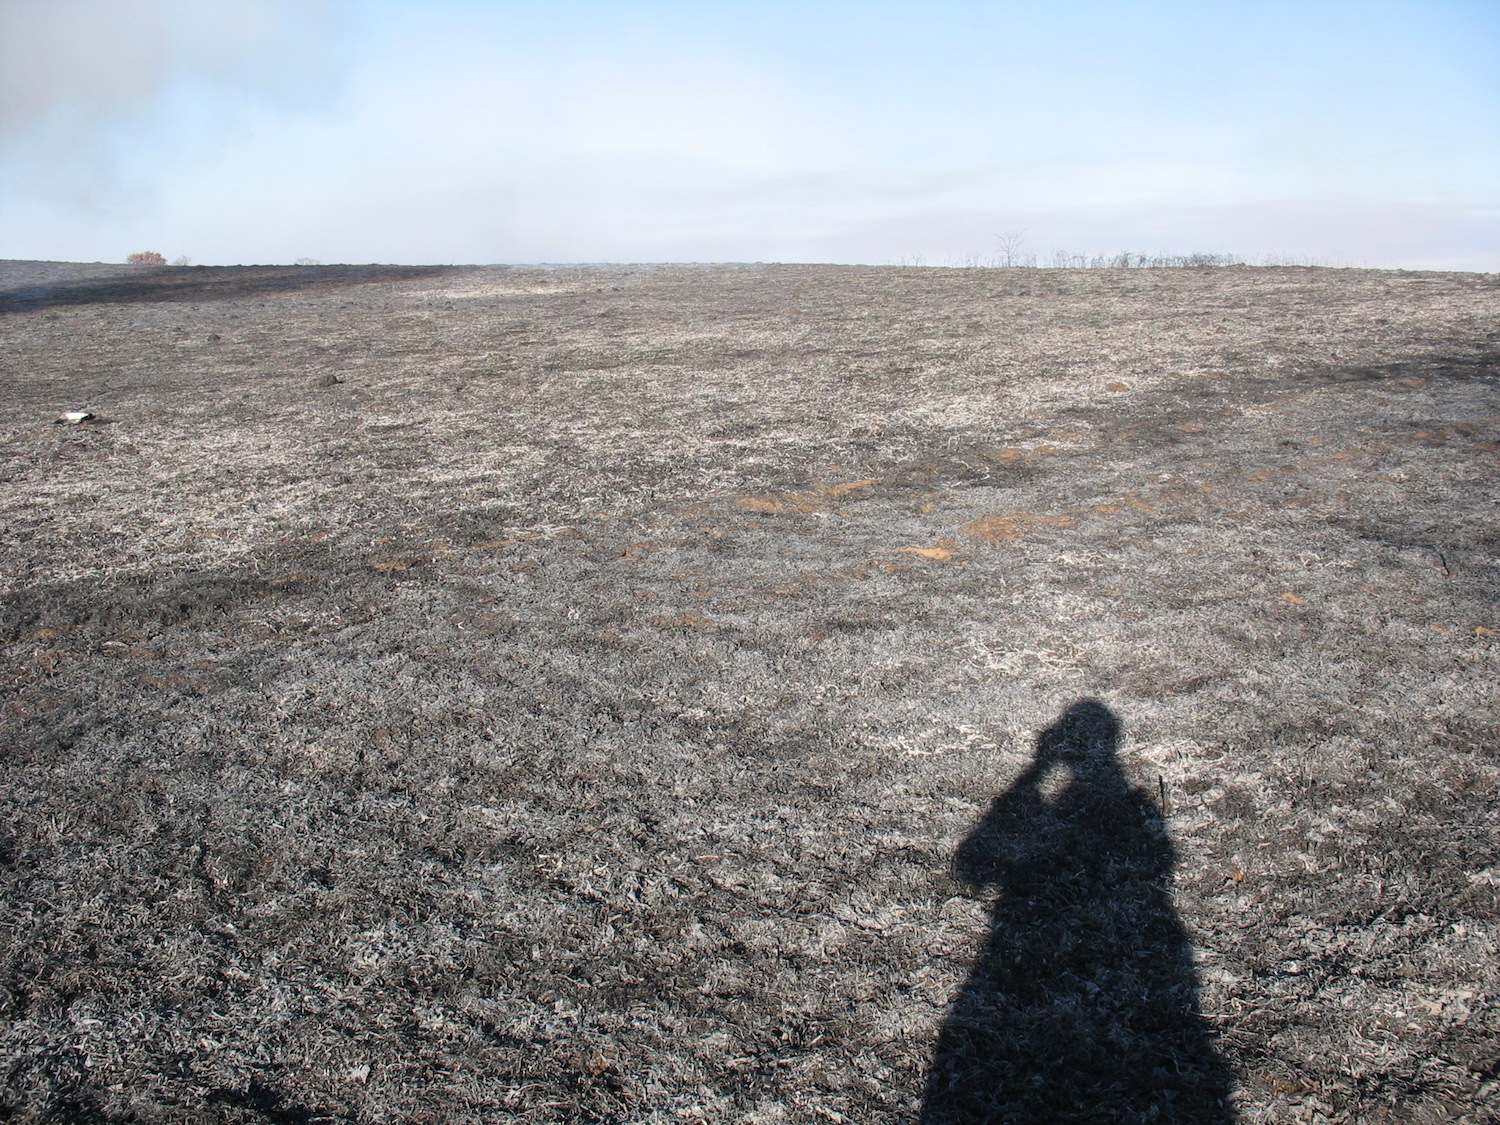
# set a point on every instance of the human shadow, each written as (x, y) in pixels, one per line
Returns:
(1083, 1005)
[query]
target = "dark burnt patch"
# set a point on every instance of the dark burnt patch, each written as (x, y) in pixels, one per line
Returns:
(194, 284)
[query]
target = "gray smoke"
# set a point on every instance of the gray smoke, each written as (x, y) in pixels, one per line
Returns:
(76, 74)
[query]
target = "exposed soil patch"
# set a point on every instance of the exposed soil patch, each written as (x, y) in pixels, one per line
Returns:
(634, 694)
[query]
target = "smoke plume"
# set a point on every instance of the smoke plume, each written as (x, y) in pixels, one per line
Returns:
(85, 84)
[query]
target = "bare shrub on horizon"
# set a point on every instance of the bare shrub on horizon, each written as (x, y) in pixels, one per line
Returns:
(1012, 258)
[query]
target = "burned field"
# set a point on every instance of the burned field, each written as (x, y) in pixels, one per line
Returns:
(749, 694)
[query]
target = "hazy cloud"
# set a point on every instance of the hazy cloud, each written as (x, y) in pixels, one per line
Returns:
(87, 86)
(507, 130)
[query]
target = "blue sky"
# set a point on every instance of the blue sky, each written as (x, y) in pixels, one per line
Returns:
(1363, 133)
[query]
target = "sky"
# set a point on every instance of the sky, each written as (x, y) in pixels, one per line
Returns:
(1340, 132)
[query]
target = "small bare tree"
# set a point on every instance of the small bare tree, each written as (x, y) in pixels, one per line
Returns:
(146, 258)
(1010, 247)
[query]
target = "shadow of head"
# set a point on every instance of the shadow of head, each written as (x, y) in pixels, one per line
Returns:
(1076, 758)
(1086, 734)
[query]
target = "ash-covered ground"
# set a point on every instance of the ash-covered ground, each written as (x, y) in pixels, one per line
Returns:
(749, 694)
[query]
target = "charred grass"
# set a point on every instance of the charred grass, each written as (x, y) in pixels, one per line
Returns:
(560, 695)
